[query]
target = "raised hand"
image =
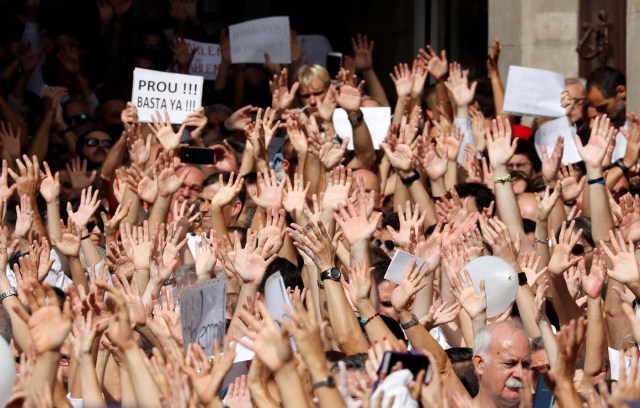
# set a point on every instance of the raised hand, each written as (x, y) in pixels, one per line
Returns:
(88, 206)
(281, 95)
(294, 198)
(571, 186)
(272, 231)
(50, 186)
(472, 301)
(478, 129)
(206, 254)
(249, 263)
(328, 152)
(436, 64)
(240, 118)
(569, 340)
(227, 191)
(10, 141)
(601, 135)
(546, 202)
(362, 50)
(440, 313)
(138, 146)
(48, 323)
(137, 244)
(163, 131)
(168, 180)
(434, 165)
(207, 375)
(270, 191)
(78, 175)
(314, 240)
(328, 104)
(402, 79)
(5, 191)
(593, 281)
(69, 243)
(410, 219)
(270, 344)
(24, 219)
(349, 92)
(359, 285)
(450, 142)
(629, 218)
(338, 187)
(625, 265)
(112, 225)
(356, 225)
(400, 152)
(499, 144)
(28, 182)
(551, 164)
(413, 281)
(529, 263)
(562, 259)
(129, 115)
(419, 73)
(457, 84)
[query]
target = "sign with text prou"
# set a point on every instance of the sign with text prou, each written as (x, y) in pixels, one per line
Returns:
(178, 94)
(202, 314)
(250, 40)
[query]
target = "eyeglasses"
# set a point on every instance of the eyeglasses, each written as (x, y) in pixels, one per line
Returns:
(93, 142)
(388, 244)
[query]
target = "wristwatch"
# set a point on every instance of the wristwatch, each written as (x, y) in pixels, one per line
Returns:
(8, 293)
(620, 163)
(410, 323)
(356, 119)
(522, 279)
(327, 382)
(331, 273)
(411, 179)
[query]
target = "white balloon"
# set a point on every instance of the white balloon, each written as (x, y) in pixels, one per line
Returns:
(8, 377)
(500, 282)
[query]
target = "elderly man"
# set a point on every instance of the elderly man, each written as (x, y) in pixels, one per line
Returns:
(502, 358)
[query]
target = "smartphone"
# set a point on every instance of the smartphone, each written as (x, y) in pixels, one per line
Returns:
(411, 361)
(544, 396)
(334, 63)
(197, 155)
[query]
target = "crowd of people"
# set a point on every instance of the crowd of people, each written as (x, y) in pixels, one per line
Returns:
(104, 227)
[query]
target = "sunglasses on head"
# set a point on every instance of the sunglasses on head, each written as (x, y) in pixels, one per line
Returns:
(390, 245)
(93, 142)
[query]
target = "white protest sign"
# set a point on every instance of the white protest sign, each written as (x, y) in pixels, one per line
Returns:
(548, 133)
(275, 297)
(178, 94)
(202, 314)
(252, 39)
(399, 266)
(206, 60)
(534, 92)
(316, 48)
(378, 121)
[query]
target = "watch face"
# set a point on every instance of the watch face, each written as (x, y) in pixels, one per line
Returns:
(335, 273)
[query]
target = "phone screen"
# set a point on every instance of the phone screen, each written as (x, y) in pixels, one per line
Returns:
(334, 63)
(197, 155)
(544, 396)
(413, 362)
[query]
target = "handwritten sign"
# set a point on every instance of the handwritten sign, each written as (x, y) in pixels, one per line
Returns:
(206, 60)
(178, 94)
(252, 39)
(202, 314)
(534, 92)
(316, 48)
(547, 135)
(399, 266)
(378, 121)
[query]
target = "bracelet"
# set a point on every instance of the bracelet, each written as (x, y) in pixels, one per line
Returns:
(170, 281)
(503, 179)
(570, 203)
(410, 323)
(541, 241)
(365, 320)
(85, 237)
(599, 180)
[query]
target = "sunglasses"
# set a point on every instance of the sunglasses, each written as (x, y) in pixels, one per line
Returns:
(93, 142)
(390, 245)
(578, 250)
(92, 224)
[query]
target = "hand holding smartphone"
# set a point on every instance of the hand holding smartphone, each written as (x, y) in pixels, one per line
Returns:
(410, 360)
(197, 155)
(334, 63)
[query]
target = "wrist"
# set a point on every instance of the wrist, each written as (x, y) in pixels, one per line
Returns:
(594, 172)
(629, 162)
(500, 170)
(287, 370)
(365, 307)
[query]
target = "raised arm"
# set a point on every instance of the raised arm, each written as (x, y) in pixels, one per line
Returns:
(363, 50)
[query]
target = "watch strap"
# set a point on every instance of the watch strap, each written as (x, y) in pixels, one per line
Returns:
(326, 274)
(410, 323)
(411, 179)
(327, 382)
(522, 279)
(8, 293)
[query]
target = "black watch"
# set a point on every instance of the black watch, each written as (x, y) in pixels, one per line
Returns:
(411, 179)
(331, 273)
(620, 163)
(522, 279)
(356, 119)
(327, 382)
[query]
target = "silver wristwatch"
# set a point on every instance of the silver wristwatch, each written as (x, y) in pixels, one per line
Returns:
(8, 293)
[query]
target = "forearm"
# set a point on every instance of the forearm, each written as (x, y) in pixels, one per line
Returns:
(363, 145)
(44, 371)
(20, 331)
(53, 220)
(223, 74)
(312, 168)
(329, 396)
(128, 399)
(451, 176)
(466, 326)
(420, 196)
(290, 387)
(566, 394)
(508, 209)
(376, 329)
(217, 220)
(525, 300)
(113, 159)
(159, 211)
(134, 209)
(562, 300)
(618, 326)
(453, 333)
(145, 389)
(401, 192)
(91, 254)
(401, 106)
(374, 87)
(78, 276)
(39, 144)
(596, 354)
(91, 394)
(498, 91)
(424, 298)
(343, 322)
(542, 248)
(38, 225)
(438, 187)
(442, 97)
(246, 290)
(599, 203)
(548, 340)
